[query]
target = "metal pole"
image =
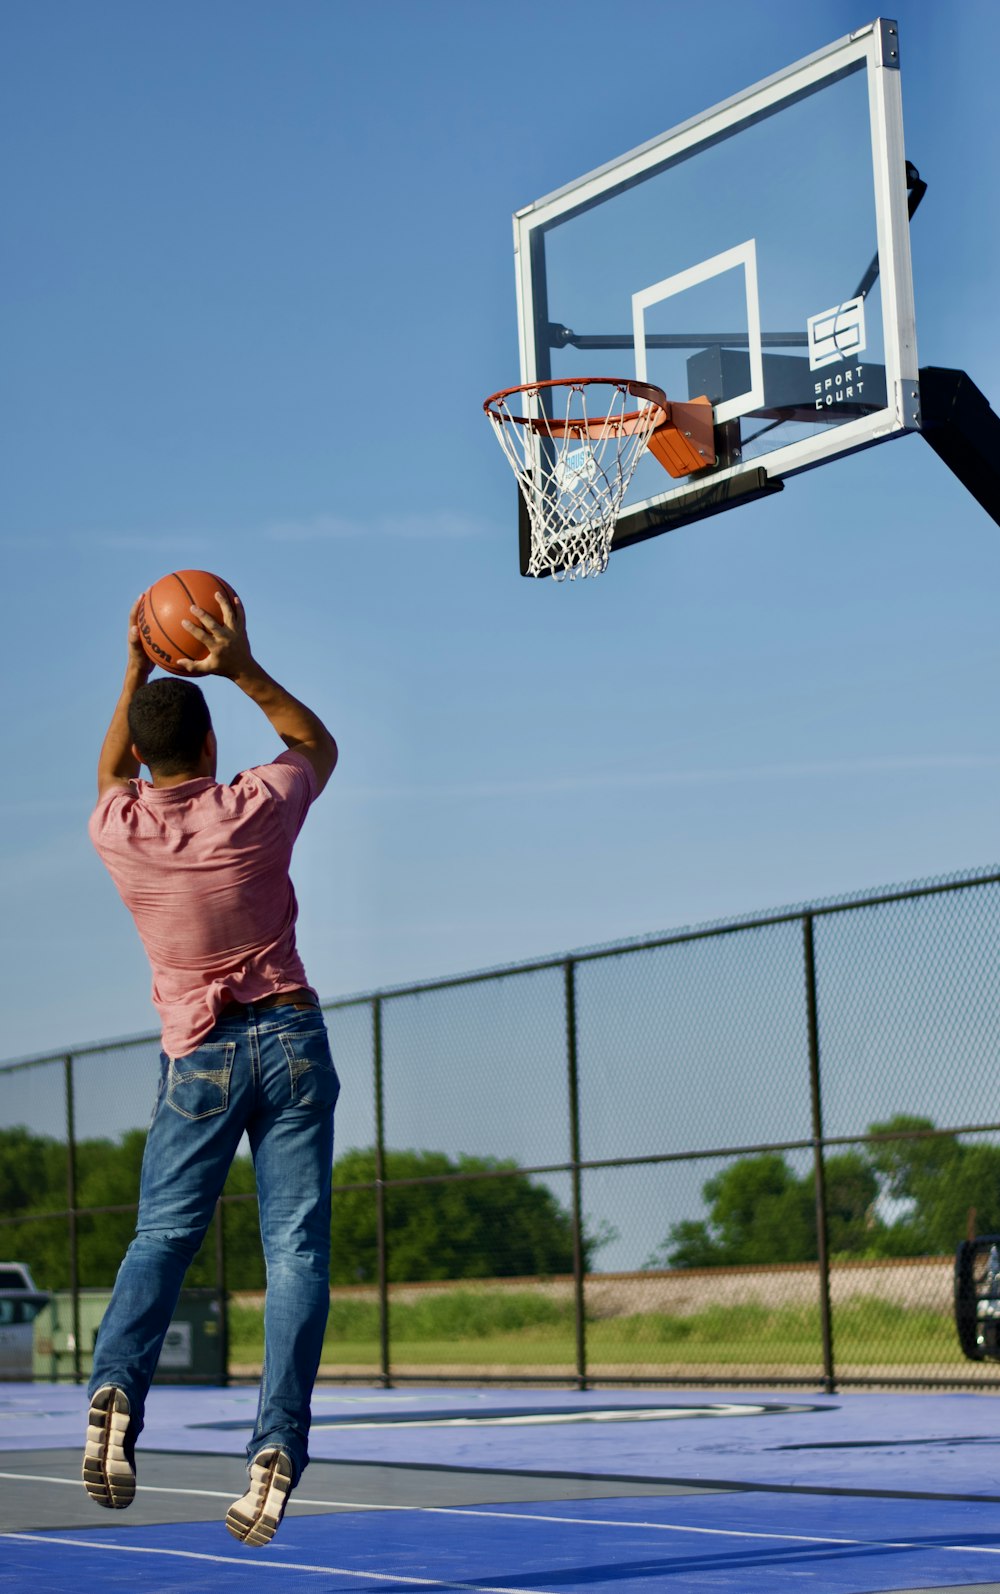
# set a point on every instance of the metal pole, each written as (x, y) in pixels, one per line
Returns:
(579, 1290)
(72, 1235)
(222, 1294)
(380, 1225)
(819, 1170)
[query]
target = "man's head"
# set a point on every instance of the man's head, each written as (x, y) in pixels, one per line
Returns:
(171, 729)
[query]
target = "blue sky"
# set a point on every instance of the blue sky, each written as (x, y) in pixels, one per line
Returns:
(257, 281)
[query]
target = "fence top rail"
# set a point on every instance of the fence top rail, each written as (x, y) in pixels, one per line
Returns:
(823, 908)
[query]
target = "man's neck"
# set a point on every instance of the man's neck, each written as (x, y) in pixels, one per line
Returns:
(161, 782)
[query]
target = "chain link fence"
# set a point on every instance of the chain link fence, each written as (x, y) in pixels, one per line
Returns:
(743, 1153)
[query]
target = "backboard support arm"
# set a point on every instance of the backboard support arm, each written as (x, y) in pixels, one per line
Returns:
(916, 188)
(964, 431)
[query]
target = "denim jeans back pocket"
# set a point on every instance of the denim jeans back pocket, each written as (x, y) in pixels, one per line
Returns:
(198, 1085)
(312, 1077)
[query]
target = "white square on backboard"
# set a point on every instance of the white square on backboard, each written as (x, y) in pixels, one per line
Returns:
(744, 255)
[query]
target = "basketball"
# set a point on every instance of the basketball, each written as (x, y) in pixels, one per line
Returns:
(165, 604)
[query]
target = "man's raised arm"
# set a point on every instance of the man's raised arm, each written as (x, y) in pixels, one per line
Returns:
(230, 655)
(117, 764)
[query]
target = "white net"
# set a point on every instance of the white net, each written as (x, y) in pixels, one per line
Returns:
(573, 446)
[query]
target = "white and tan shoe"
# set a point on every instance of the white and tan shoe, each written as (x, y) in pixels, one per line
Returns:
(109, 1458)
(254, 1519)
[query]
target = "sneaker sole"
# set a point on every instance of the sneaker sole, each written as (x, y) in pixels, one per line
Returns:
(270, 1484)
(108, 1475)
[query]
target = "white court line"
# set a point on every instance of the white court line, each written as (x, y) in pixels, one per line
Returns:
(537, 1516)
(546, 1419)
(147, 1488)
(282, 1566)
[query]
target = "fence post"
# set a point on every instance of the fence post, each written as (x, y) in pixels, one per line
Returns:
(222, 1293)
(819, 1169)
(380, 1229)
(579, 1292)
(71, 1232)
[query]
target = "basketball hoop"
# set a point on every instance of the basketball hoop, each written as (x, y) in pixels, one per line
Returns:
(573, 454)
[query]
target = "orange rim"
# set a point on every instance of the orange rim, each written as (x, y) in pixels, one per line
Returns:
(550, 427)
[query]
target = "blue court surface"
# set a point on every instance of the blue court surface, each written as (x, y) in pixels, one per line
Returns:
(508, 1490)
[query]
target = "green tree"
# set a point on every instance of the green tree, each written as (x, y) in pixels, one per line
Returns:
(689, 1243)
(973, 1182)
(33, 1180)
(940, 1179)
(908, 1166)
(761, 1211)
(852, 1189)
(107, 1175)
(459, 1228)
(32, 1172)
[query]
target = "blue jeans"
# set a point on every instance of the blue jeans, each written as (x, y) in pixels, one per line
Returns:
(267, 1072)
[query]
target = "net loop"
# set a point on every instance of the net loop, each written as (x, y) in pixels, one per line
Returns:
(573, 451)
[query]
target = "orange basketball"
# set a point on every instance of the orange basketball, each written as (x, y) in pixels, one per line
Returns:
(168, 602)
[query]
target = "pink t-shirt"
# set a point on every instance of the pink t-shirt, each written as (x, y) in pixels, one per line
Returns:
(203, 870)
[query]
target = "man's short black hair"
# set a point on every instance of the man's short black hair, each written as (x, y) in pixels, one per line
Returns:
(168, 721)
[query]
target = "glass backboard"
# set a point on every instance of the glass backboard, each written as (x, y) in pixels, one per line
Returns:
(758, 255)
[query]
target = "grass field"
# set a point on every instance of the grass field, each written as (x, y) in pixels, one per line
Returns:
(517, 1328)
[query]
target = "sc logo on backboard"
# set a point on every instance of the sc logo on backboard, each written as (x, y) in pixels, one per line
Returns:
(836, 334)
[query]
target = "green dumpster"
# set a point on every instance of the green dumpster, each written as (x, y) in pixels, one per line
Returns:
(194, 1350)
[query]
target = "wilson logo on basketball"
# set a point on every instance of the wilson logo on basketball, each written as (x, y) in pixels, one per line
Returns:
(151, 647)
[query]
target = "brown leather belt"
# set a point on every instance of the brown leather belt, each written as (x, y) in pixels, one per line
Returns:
(298, 998)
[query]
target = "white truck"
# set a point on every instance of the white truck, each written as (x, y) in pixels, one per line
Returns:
(20, 1303)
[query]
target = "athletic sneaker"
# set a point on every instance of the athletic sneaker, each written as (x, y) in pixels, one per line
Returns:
(255, 1517)
(109, 1459)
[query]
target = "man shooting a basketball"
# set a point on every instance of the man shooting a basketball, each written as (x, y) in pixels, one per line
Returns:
(203, 869)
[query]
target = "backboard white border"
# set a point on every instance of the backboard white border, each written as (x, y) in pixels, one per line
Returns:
(902, 411)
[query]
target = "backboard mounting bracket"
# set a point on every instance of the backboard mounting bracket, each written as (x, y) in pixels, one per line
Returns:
(712, 499)
(654, 521)
(887, 48)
